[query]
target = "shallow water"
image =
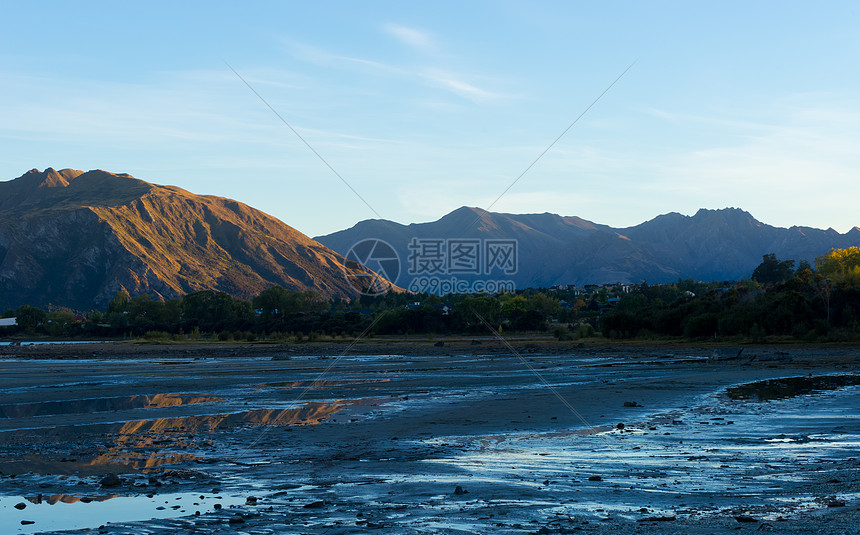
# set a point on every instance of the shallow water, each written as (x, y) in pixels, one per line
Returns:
(391, 437)
(67, 512)
(754, 457)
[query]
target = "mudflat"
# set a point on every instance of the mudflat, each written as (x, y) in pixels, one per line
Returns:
(453, 437)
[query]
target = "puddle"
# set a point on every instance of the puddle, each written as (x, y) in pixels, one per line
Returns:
(67, 512)
(789, 387)
(93, 405)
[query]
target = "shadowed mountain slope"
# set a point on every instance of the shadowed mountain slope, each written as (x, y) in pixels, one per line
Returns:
(722, 244)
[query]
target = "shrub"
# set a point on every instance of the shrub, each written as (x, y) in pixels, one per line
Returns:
(585, 330)
(156, 335)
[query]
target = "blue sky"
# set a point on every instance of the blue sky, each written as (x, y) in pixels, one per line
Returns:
(426, 107)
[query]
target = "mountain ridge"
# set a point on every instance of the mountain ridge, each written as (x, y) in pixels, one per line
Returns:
(76, 238)
(722, 244)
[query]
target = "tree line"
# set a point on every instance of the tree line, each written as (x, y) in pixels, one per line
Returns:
(805, 302)
(820, 302)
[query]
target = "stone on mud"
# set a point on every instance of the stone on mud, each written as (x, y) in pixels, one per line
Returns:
(110, 480)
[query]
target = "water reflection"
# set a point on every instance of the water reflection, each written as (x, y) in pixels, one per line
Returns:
(308, 414)
(93, 405)
(143, 444)
(789, 387)
(89, 512)
(66, 498)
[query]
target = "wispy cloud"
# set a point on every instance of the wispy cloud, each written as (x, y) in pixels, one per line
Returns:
(411, 36)
(439, 78)
(453, 83)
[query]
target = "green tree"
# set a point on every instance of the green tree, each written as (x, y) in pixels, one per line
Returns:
(841, 265)
(773, 271)
(30, 318)
(59, 323)
(280, 303)
(212, 311)
(119, 303)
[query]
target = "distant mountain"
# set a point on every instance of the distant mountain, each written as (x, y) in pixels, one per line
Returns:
(74, 238)
(723, 244)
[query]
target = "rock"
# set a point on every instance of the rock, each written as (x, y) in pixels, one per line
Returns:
(619, 426)
(658, 519)
(595, 478)
(236, 519)
(458, 490)
(251, 500)
(835, 503)
(110, 480)
(217, 506)
(27, 522)
(630, 404)
(314, 505)
(439, 344)
(20, 506)
(744, 518)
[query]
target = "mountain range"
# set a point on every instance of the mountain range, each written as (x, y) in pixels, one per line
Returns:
(75, 238)
(724, 244)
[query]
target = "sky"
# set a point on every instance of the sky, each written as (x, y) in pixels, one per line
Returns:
(414, 109)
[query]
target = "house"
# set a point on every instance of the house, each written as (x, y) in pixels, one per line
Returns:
(8, 322)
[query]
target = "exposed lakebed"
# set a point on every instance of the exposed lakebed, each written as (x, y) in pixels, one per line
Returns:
(605, 439)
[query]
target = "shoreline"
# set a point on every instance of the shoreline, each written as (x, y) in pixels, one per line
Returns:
(441, 346)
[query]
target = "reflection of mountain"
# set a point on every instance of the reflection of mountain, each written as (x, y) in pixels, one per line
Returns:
(93, 405)
(67, 498)
(310, 413)
(152, 443)
(75, 238)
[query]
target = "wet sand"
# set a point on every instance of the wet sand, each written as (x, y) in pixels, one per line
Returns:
(394, 437)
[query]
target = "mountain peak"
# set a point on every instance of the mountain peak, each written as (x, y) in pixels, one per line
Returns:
(466, 218)
(49, 178)
(78, 237)
(728, 211)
